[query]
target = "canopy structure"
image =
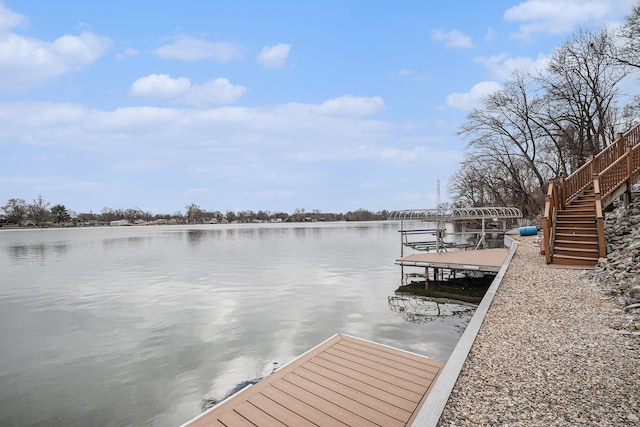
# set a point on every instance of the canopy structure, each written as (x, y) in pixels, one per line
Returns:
(457, 214)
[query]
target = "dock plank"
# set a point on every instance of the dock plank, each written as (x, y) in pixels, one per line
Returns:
(343, 381)
(232, 418)
(367, 379)
(303, 408)
(355, 383)
(279, 412)
(395, 361)
(362, 407)
(381, 367)
(254, 415)
(295, 385)
(375, 404)
(338, 363)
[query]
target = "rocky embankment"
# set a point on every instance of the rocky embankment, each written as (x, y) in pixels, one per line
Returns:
(619, 273)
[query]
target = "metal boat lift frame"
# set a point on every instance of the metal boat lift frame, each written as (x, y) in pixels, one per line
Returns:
(457, 214)
(443, 215)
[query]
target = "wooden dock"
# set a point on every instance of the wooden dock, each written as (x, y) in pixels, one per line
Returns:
(485, 260)
(343, 381)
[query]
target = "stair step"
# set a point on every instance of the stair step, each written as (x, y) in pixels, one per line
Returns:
(575, 237)
(584, 200)
(576, 224)
(567, 216)
(573, 232)
(591, 207)
(572, 260)
(570, 247)
(590, 214)
(578, 244)
(582, 204)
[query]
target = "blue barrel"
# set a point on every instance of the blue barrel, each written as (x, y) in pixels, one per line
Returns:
(528, 231)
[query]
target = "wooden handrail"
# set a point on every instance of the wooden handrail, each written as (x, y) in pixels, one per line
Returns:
(609, 154)
(632, 136)
(613, 176)
(575, 183)
(635, 159)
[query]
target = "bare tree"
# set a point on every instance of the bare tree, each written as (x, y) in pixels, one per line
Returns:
(509, 154)
(16, 210)
(194, 213)
(581, 87)
(39, 210)
(629, 53)
(107, 214)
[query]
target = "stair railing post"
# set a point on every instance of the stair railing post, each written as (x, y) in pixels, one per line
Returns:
(629, 177)
(629, 165)
(592, 164)
(621, 143)
(602, 244)
(562, 193)
(548, 220)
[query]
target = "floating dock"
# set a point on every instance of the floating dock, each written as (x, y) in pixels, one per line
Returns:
(485, 260)
(343, 381)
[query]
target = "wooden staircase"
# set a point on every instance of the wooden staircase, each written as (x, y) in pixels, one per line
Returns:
(576, 232)
(573, 222)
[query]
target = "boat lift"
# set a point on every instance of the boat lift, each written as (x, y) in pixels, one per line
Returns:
(442, 216)
(435, 268)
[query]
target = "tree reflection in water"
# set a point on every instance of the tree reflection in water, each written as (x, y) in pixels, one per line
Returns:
(420, 309)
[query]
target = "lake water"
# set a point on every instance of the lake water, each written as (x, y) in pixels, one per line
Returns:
(138, 325)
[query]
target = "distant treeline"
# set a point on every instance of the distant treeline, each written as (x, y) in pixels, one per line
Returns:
(18, 212)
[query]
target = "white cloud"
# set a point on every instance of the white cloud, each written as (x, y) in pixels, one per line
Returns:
(349, 105)
(9, 19)
(218, 91)
(225, 129)
(160, 86)
(284, 149)
(502, 66)
(489, 35)
(129, 52)
(82, 50)
(189, 49)
(27, 62)
(453, 38)
(163, 86)
(473, 97)
(406, 73)
(561, 16)
(274, 56)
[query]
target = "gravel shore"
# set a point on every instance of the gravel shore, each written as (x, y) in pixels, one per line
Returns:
(547, 354)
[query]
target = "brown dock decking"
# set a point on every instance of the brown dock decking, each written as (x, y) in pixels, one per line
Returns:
(343, 381)
(488, 260)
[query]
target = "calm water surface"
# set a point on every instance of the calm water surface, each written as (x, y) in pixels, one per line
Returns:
(137, 325)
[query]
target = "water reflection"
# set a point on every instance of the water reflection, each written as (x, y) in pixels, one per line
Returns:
(123, 242)
(423, 301)
(418, 309)
(38, 252)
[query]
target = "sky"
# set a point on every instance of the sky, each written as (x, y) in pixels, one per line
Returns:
(257, 105)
